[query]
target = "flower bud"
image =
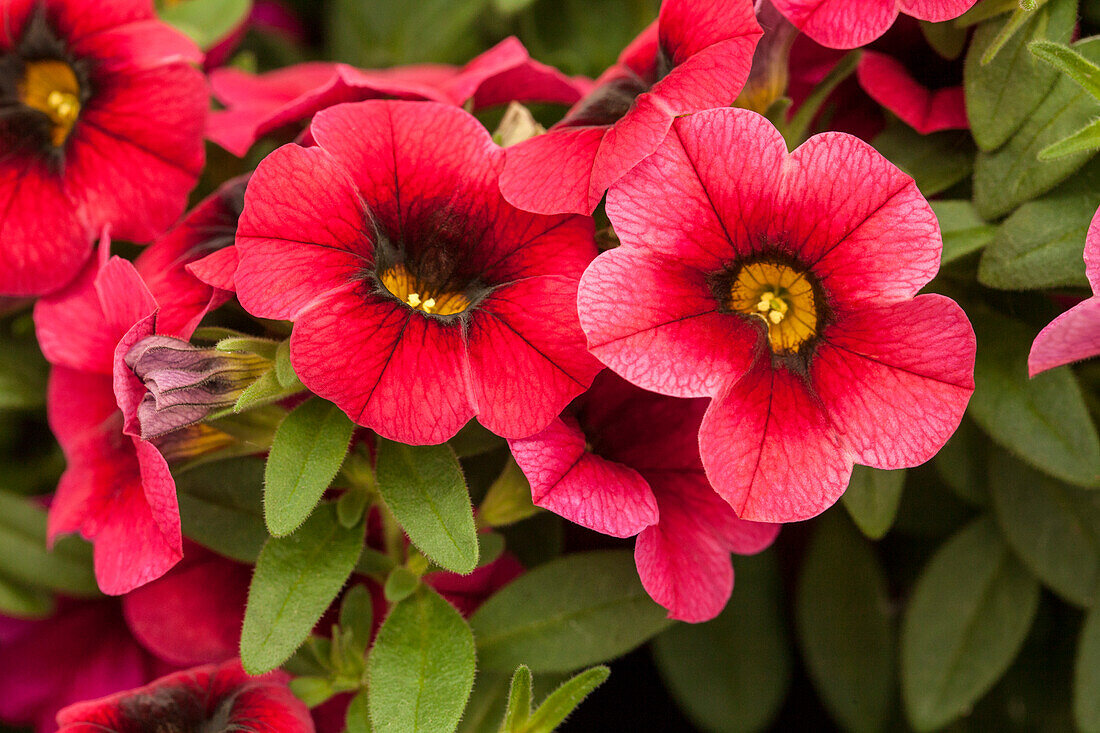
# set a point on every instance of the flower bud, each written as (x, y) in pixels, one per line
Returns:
(769, 75)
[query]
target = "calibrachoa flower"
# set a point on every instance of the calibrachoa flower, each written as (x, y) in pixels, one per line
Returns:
(787, 287)
(419, 297)
(260, 104)
(625, 461)
(213, 698)
(854, 23)
(696, 56)
(102, 124)
(1075, 334)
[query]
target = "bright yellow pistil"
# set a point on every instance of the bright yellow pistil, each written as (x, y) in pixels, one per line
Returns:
(782, 297)
(51, 86)
(419, 296)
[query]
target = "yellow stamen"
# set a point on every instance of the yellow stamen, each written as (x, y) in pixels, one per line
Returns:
(782, 297)
(51, 87)
(419, 296)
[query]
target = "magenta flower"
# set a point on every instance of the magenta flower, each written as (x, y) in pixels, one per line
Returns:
(102, 125)
(260, 104)
(624, 461)
(212, 698)
(1075, 334)
(696, 56)
(419, 297)
(854, 23)
(787, 289)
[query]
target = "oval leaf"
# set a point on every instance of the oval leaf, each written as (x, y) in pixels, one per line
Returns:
(221, 507)
(296, 579)
(842, 612)
(970, 612)
(421, 668)
(25, 559)
(1086, 675)
(424, 488)
(569, 613)
(872, 499)
(309, 447)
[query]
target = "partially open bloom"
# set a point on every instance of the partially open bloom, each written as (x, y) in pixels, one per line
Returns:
(212, 698)
(260, 104)
(419, 297)
(1075, 334)
(102, 124)
(854, 23)
(696, 56)
(624, 461)
(787, 296)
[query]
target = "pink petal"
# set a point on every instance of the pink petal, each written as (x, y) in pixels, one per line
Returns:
(1092, 253)
(584, 488)
(689, 26)
(1070, 337)
(896, 379)
(78, 20)
(551, 173)
(634, 137)
(889, 83)
(840, 23)
(770, 450)
(78, 402)
(935, 11)
(142, 44)
(72, 328)
(217, 269)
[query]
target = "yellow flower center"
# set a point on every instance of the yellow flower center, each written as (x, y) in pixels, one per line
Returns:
(51, 87)
(420, 296)
(782, 297)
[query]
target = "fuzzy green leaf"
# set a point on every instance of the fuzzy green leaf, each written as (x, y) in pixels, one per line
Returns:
(936, 161)
(1087, 140)
(961, 463)
(400, 584)
(421, 667)
(309, 447)
(966, 620)
(519, 701)
(1086, 675)
(561, 702)
(872, 499)
(963, 230)
(25, 559)
(23, 373)
(356, 617)
(1069, 62)
(424, 488)
(357, 719)
(206, 21)
(578, 610)
(221, 507)
(296, 579)
(21, 601)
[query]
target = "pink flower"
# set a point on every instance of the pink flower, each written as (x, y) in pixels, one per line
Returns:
(260, 104)
(787, 289)
(419, 297)
(1075, 334)
(696, 56)
(854, 23)
(624, 461)
(205, 698)
(102, 125)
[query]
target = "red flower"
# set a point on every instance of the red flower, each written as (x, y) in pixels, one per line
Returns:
(420, 297)
(1075, 334)
(259, 104)
(205, 698)
(787, 295)
(103, 125)
(854, 23)
(696, 56)
(624, 461)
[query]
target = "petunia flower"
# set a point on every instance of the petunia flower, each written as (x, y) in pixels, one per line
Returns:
(624, 461)
(102, 124)
(1075, 334)
(695, 56)
(854, 23)
(258, 104)
(787, 287)
(213, 698)
(420, 298)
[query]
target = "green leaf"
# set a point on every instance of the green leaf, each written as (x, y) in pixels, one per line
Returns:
(1087, 139)
(485, 710)
(581, 609)
(356, 617)
(25, 559)
(1002, 94)
(379, 34)
(312, 690)
(731, 674)
(798, 128)
(1013, 174)
(947, 39)
(357, 719)
(296, 579)
(221, 507)
(1053, 528)
(400, 584)
(519, 701)
(424, 488)
(961, 463)
(20, 601)
(206, 21)
(351, 506)
(969, 613)
(842, 612)
(263, 391)
(1086, 675)
(307, 452)
(421, 668)
(23, 373)
(872, 499)
(1069, 62)
(936, 161)
(509, 7)
(561, 702)
(509, 498)
(1042, 420)
(284, 370)
(963, 230)
(373, 562)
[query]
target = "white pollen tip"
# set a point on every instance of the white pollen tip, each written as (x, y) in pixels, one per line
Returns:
(775, 316)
